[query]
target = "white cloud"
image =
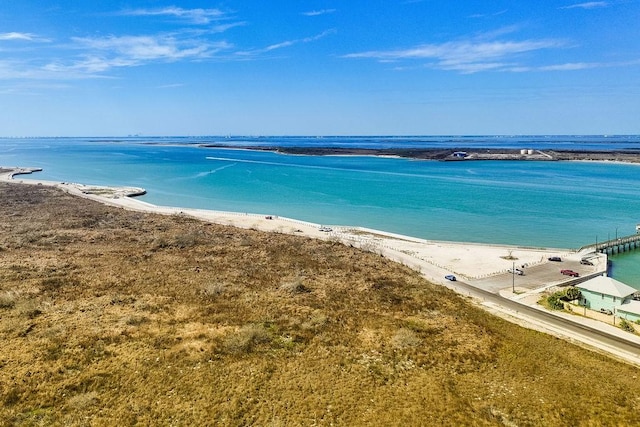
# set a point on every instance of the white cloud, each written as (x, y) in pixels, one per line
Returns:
(319, 12)
(587, 5)
(17, 36)
(91, 66)
(195, 16)
(286, 43)
(101, 55)
(221, 28)
(573, 66)
(488, 15)
(470, 56)
(22, 70)
(150, 48)
(570, 66)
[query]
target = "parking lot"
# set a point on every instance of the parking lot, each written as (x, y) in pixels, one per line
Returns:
(542, 275)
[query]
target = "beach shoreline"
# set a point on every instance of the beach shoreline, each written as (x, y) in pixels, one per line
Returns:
(483, 270)
(434, 259)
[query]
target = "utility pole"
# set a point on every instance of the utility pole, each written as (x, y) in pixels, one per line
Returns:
(513, 277)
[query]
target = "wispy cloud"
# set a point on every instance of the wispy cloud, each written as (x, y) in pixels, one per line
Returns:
(466, 56)
(29, 37)
(221, 28)
(570, 66)
(17, 36)
(28, 70)
(148, 48)
(103, 54)
(194, 16)
(319, 12)
(587, 5)
(171, 86)
(488, 15)
(95, 57)
(574, 66)
(285, 44)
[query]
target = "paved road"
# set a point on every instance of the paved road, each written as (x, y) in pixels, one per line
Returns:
(570, 329)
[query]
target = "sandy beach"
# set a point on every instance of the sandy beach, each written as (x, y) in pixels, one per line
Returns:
(470, 262)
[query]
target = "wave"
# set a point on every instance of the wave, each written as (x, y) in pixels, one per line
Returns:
(212, 171)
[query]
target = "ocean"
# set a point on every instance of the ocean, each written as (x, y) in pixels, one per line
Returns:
(539, 204)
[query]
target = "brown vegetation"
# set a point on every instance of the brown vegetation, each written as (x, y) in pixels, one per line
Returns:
(109, 316)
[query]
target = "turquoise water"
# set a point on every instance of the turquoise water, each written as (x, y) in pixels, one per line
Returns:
(545, 204)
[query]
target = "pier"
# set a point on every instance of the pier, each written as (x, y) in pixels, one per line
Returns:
(615, 246)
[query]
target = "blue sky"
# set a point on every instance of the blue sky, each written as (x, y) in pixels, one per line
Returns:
(306, 67)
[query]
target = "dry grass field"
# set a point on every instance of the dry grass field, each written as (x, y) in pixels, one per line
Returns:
(114, 317)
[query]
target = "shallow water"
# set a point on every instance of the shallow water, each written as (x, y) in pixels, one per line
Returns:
(545, 204)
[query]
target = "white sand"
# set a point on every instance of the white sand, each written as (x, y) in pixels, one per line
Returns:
(435, 259)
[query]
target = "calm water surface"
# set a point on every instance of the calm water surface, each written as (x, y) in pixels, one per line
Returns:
(545, 204)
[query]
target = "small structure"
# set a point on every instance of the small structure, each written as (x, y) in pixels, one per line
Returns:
(630, 311)
(460, 154)
(605, 293)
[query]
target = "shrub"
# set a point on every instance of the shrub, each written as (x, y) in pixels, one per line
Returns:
(212, 290)
(12, 396)
(572, 294)
(404, 338)
(295, 287)
(160, 243)
(7, 299)
(136, 320)
(186, 240)
(30, 308)
(554, 301)
(246, 339)
(83, 401)
(626, 326)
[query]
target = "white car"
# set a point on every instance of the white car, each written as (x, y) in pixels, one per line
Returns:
(516, 271)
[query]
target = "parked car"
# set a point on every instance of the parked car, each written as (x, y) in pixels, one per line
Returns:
(585, 262)
(606, 311)
(555, 258)
(516, 271)
(450, 277)
(569, 273)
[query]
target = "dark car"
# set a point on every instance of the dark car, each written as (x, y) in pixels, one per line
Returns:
(555, 258)
(450, 277)
(569, 273)
(585, 262)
